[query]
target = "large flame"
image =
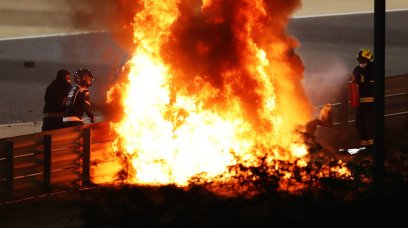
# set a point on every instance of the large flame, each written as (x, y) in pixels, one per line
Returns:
(210, 84)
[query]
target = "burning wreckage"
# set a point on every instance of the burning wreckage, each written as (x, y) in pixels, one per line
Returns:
(212, 95)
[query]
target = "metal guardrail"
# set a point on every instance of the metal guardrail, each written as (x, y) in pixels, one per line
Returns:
(51, 161)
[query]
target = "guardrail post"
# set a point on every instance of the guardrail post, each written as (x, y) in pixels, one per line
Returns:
(86, 157)
(47, 164)
(9, 146)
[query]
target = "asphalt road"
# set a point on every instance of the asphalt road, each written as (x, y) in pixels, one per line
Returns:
(340, 37)
(22, 88)
(328, 46)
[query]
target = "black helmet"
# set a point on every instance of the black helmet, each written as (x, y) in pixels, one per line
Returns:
(80, 77)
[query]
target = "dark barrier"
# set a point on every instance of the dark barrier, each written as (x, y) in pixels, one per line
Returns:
(52, 161)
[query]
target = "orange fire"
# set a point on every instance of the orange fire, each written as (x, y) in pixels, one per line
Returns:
(210, 84)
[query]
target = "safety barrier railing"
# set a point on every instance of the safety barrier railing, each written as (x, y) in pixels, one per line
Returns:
(57, 160)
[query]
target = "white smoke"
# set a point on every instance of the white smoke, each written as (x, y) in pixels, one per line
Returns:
(327, 82)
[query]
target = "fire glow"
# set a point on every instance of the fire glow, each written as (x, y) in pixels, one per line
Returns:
(211, 84)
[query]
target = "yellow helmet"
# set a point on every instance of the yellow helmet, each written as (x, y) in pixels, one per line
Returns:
(366, 54)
